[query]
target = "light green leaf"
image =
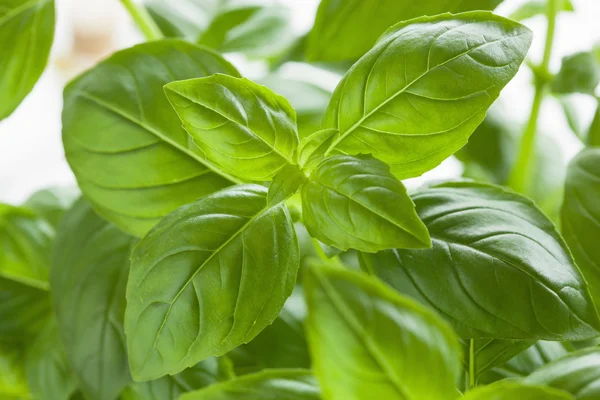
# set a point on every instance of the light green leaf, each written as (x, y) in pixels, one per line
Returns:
(25, 244)
(52, 203)
(417, 96)
(368, 342)
(489, 353)
(580, 215)
(516, 390)
(579, 73)
(244, 128)
(534, 8)
(48, 374)
(347, 29)
(26, 34)
(208, 278)
(290, 384)
(87, 279)
(498, 267)
(577, 373)
(312, 148)
(124, 142)
(285, 184)
(13, 380)
(182, 18)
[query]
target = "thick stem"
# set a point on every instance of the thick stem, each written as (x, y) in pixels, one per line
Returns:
(521, 170)
(472, 377)
(143, 20)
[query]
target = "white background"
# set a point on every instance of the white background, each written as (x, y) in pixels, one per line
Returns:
(31, 155)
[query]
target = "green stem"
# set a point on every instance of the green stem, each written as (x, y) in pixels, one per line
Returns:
(520, 172)
(472, 378)
(143, 20)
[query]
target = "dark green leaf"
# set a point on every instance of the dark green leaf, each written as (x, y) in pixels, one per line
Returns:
(52, 203)
(26, 34)
(593, 137)
(579, 73)
(498, 267)
(417, 96)
(87, 279)
(368, 342)
(285, 184)
(355, 202)
(13, 380)
(516, 390)
(207, 278)
(533, 8)
(489, 353)
(244, 128)
(124, 142)
(291, 384)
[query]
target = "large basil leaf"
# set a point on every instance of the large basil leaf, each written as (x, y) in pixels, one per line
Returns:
(346, 29)
(485, 354)
(577, 373)
(207, 278)
(291, 384)
(355, 202)
(368, 342)
(48, 374)
(25, 243)
(516, 390)
(244, 128)
(26, 34)
(125, 144)
(417, 96)
(87, 279)
(579, 73)
(206, 372)
(580, 215)
(13, 380)
(497, 269)
(52, 203)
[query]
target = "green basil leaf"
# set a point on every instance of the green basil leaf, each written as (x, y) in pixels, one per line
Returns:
(345, 30)
(416, 97)
(312, 148)
(516, 390)
(48, 374)
(580, 215)
(207, 278)
(25, 243)
(571, 114)
(26, 34)
(285, 184)
(206, 372)
(13, 380)
(533, 8)
(577, 373)
(88, 278)
(52, 203)
(292, 384)
(182, 18)
(489, 353)
(593, 136)
(125, 144)
(355, 202)
(244, 128)
(498, 267)
(579, 73)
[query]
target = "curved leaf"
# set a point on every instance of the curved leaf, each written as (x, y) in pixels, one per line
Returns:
(124, 142)
(285, 184)
(26, 34)
(24, 311)
(497, 269)
(355, 202)
(516, 390)
(489, 353)
(417, 96)
(579, 73)
(208, 278)
(368, 342)
(291, 384)
(52, 203)
(312, 148)
(88, 277)
(244, 128)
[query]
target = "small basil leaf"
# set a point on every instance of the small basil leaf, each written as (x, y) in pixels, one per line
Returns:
(285, 184)
(13, 380)
(489, 353)
(577, 373)
(312, 148)
(208, 278)
(516, 390)
(292, 384)
(355, 202)
(26, 34)
(52, 203)
(182, 18)
(125, 144)
(367, 341)
(580, 215)
(88, 277)
(345, 30)
(534, 8)
(579, 73)
(244, 128)
(416, 97)
(498, 267)
(571, 114)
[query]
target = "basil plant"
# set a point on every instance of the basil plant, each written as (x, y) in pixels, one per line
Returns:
(236, 239)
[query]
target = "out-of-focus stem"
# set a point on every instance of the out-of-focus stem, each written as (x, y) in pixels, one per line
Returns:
(143, 20)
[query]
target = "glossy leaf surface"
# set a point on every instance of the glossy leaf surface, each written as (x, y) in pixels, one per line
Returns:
(88, 278)
(416, 97)
(244, 128)
(368, 342)
(355, 202)
(516, 390)
(207, 279)
(26, 34)
(498, 267)
(124, 142)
